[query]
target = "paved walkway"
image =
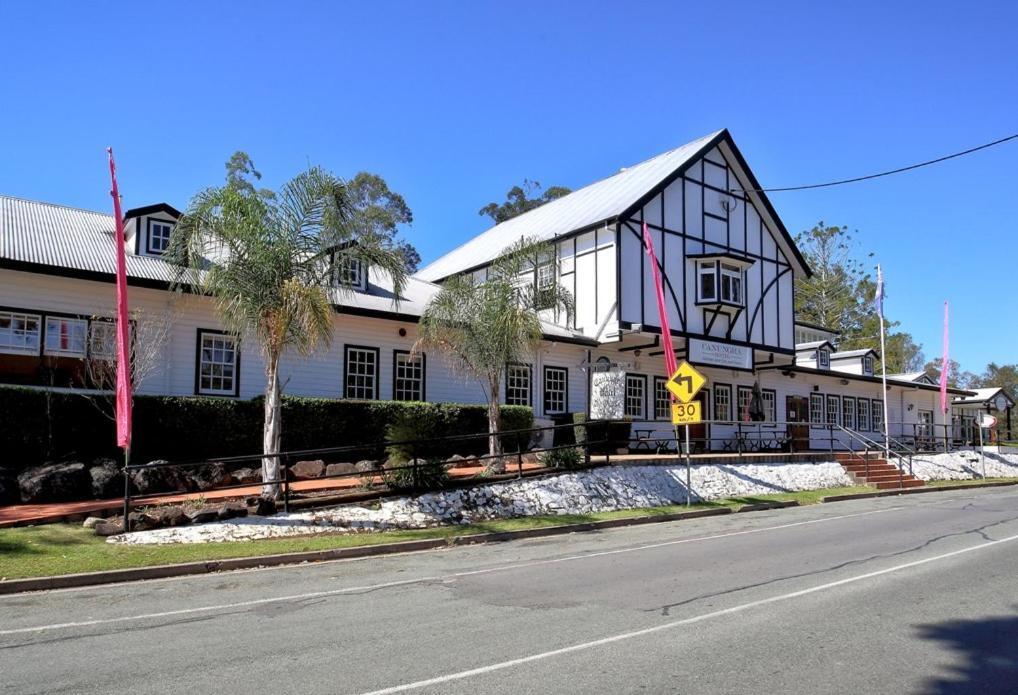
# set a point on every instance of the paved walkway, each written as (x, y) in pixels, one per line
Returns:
(25, 514)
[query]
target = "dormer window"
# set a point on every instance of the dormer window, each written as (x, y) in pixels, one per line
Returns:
(350, 272)
(824, 359)
(157, 239)
(720, 282)
(545, 285)
(867, 365)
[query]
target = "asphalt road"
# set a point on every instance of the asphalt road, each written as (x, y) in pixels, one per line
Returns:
(897, 595)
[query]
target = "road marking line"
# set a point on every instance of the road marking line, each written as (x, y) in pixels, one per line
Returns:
(421, 580)
(675, 623)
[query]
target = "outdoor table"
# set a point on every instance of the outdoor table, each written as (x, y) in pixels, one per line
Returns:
(642, 439)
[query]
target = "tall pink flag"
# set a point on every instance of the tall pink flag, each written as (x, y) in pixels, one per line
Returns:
(662, 309)
(123, 322)
(944, 367)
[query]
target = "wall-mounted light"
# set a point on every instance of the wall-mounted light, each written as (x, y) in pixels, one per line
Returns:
(844, 382)
(910, 407)
(402, 333)
(816, 387)
(636, 352)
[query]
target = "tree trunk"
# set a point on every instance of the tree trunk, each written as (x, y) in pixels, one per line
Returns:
(495, 463)
(271, 429)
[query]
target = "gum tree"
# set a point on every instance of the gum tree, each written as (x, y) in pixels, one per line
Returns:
(269, 262)
(484, 325)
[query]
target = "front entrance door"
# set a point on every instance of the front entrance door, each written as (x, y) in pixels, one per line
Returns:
(797, 411)
(698, 433)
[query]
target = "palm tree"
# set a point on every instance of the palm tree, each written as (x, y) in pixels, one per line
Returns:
(273, 264)
(483, 326)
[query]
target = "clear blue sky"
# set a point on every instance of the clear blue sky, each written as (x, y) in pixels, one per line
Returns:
(454, 102)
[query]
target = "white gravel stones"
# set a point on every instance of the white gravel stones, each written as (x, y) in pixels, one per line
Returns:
(964, 465)
(601, 489)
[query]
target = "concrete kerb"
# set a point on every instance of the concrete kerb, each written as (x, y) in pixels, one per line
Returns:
(66, 581)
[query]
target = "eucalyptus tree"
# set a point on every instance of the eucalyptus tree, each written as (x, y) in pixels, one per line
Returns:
(274, 266)
(484, 325)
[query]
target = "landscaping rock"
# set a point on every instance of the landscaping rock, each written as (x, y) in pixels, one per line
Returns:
(109, 527)
(340, 469)
(92, 522)
(265, 506)
(107, 479)
(151, 479)
(305, 470)
(203, 515)
(209, 477)
(170, 516)
(457, 461)
(366, 466)
(246, 476)
(55, 482)
(230, 510)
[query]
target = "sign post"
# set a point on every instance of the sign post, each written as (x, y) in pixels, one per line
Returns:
(684, 384)
(986, 421)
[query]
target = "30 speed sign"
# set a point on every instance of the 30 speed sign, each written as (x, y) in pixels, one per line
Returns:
(687, 413)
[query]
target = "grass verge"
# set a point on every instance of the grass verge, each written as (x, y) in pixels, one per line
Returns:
(954, 483)
(54, 549)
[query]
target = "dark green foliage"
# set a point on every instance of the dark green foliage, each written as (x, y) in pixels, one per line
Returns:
(521, 199)
(430, 475)
(604, 436)
(38, 426)
(567, 458)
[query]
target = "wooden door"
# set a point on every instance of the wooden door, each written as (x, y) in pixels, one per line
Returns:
(797, 416)
(698, 433)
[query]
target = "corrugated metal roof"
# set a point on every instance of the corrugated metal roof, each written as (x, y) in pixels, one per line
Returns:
(852, 353)
(982, 396)
(907, 376)
(799, 347)
(65, 238)
(582, 208)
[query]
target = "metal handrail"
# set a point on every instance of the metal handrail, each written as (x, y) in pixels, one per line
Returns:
(868, 443)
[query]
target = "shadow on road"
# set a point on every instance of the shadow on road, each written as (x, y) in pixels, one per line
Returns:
(985, 655)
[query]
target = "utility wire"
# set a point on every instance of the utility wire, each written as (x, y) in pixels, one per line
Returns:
(884, 173)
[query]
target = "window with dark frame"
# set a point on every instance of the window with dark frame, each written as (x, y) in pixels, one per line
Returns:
(863, 417)
(824, 359)
(349, 272)
(719, 282)
(66, 337)
(723, 402)
(407, 376)
(770, 399)
(217, 364)
(867, 365)
(833, 410)
(361, 373)
(517, 384)
(745, 397)
(848, 412)
(707, 281)
(816, 409)
(662, 399)
(556, 390)
(20, 333)
(878, 416)
(158, 237)
(636, 393)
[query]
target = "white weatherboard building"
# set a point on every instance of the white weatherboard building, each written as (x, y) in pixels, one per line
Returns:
(728, 263)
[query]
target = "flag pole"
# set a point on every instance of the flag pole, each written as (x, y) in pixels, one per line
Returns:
(883, 362)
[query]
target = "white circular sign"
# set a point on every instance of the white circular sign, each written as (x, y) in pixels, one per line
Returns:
(987, 421)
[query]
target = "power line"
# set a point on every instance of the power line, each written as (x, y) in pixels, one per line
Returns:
(885, 173)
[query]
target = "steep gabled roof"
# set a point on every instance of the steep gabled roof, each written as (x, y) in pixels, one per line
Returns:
(600, 202)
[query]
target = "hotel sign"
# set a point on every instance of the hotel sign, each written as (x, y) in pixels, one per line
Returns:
(720, 354)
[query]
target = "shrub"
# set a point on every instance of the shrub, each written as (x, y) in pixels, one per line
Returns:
(40, 426)
(567, 458)
(431, 475)
(605, 436)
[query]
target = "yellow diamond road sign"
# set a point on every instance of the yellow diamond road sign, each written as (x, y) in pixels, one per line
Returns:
(686, 413)
(685, 382)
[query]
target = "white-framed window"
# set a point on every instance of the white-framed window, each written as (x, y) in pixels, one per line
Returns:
(878, 416)
(545, 285)
(770, 399)
(833, 410)
(863, 411)
(636, 395)
(824, 359)
(722, 402)
(867, 365)
(349, 272)
(731, 284)
(158, 240)
(20, 333)
(816, 409)
(218, 364)
(517, 384)
(706, 281)
(361, 367)
(745, 397)
(662, 399)
(556, 390)
(407, 377)
(102, 339)
(848, 412)
(66, 337)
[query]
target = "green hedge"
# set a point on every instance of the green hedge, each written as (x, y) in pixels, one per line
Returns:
(36, 426)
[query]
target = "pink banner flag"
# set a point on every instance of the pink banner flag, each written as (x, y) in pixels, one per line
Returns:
(945, 367)
(123, 405)
(662, 309)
